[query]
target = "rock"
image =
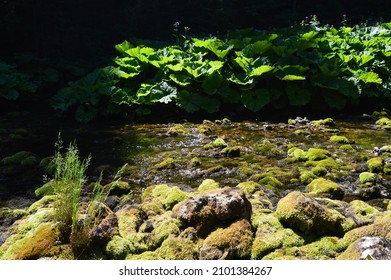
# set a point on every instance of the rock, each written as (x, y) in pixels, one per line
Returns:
(297, 154)
(323, 122)
(298, 120)
(22, 158)
(219, 143)
(208, 184)
(266, 148)
(249, 187)
(194, 162)
(314, 154)
(145, 256)
(233, 242)
(364, 211)
(46, 189)
(325, 188)
(269, 238)
(368, 178)
(177, 248)
(206, 211)
(204, 129)
(271, 182)
(384, 123)
(168, 196)
(177, 129)
(107, 228)
(368, 247)
(375, 165)
(231, 152)
(118, 188)
(168, 163)
(304, 214)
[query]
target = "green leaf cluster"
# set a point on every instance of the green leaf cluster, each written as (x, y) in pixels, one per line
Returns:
(293, 66)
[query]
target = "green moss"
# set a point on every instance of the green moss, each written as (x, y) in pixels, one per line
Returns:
(48, 165)
(368, 178)
(346, 147)
(339, 139)
(118, 187)
(297, 154)
(387, 169)
(380, 227)
(328, 163)
(22, 157)
(306, 215)
(194, 162)
(307, 177)
(267, 148)
(208, 146)
(384, 123)
(44, 203)
(129, 219)
(375, 165)
(148, 255)
(325, 122)
(319, 171)
(219, 143)
(117, 248)
(177, 129)
(249, 187)
(204, 129)
(268, 239)
(152, 208)
(34, 244)
(169, 196)
(208, 184)
(165, 228)
(302, 132)
(271, 182)
(46, 189)
(325, 188)
(236, 240)
(314, 154)
(168, 163)
(363, 210)
(176, 248)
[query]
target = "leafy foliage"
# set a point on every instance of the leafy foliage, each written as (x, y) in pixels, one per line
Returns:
(300, 65)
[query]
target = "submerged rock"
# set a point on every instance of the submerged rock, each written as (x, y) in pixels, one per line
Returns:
(208, 210)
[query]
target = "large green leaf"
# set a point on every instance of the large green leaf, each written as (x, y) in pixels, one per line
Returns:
(123, 47)
(255, 100)
(192, 101)
(370, 77)
(180, 79)
(293, 78)
(214, 45)
(298, 96)
(334, 99)
(141, 53)
(241, 79)
(161, 92)
(261, 70)
(212, 83)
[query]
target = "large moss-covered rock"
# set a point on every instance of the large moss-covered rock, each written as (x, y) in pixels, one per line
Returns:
(269, 238)
(208, 184)
(368, 178)
(375, 164)
(22, 158)
(364, 211)
(384, 123)
(168, 195)
(339, 139)
(249, 187)
(314, 154)
(233, 242)
(368, 247)
(168, 163)
(322, 187)
(178, 248)
(177, 130)
(304, 214)
(207, 210)
(219, 143)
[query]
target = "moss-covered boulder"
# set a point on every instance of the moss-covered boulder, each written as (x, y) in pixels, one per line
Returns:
(233, 242)
(297, 154)
(368, 248)
(177, 130)
(21, 158)
(178, 248)
(304, 214)
(375, 164)
(315, 154)
(118, 187)
(323, 122)
(271, 182)
(267, 148)
(210, 209)
(208, 184)
(307, 177)
(249, 187)
(168, 195)
(168, 163)
(339, 139)
(269, 238)
(46, 189)
(368, 178)
(219, 143)
(384, 123)
(364, 211)
(231, 151)
(322, 187)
